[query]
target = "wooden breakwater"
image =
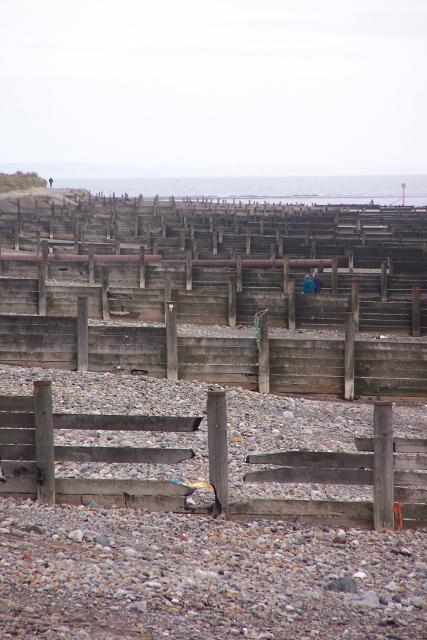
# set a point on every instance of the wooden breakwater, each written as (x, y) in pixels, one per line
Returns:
(394, 467)
(348, 366)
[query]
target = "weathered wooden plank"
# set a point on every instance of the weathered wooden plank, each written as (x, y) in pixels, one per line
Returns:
(122, 455)
(410, 494)
(16, 420)
(16, 403)
(410, 479)
(318, 459)
(278, 506)
(410, 462)
(18, 469)
(173, 504)
(312, 475)
(17, 436)
(101, 486)
(126, 422)
(17, 452)
(19, 485)
(400, 445)
(414, 512)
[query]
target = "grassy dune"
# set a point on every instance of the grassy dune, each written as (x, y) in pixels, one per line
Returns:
(19, 180)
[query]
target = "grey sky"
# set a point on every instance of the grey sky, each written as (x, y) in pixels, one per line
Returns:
(218, 86)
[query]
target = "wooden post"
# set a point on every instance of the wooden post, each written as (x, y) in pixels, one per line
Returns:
(334, 277)
(43, 274)
(279, 242)
(239, 273)
(273, 251)
(416, 312)
(182, 234)
(248, 243)
(285, 274)
(51, 227)
(45, 456)
(355, 307)
(91, 263)
(312, 248)
(214, 243)
(291, 305)
(383, 466)
(117, 246)
(142, 267)
(38, 243)
(232, 301)
(167, 288)
(218, 449)
(82, 334)
(349, 357)
(221, 234)
(351, 261)
(16, 233)
(76, 237)
(195, 248)
(188, 271)
(264, 356)
(171, 341)
(384, 280)
(105, 284)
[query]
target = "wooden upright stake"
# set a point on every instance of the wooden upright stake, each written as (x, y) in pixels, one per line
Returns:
(43, 274)
(291, 305)
(142, 267)
(383, 466)
(232, 301)
(351, 261)
(182, 234)
(416, 312)
(82, 334)
(218, 449)
(355, 306)
(264, 356)
(248, 243)
(167, 296)
(214, 243)
(349, 357)
(16, 232)
(334, 277)
(1, 265)
(45, 456)
(171, 341)
(285, 274)
(91, 263)
(239, 273)
(384, 281)
(105, 285)
(188, 271)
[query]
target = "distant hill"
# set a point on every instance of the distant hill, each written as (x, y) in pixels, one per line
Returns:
(20, 181)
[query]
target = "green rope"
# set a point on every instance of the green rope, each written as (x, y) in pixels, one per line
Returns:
(258, 325)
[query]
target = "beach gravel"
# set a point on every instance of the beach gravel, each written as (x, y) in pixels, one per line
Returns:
(98, 574)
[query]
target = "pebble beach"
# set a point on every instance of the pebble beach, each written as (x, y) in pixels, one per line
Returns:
(94, 573)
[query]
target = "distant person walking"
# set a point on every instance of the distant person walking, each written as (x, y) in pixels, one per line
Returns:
(50, 182)
(309, 285)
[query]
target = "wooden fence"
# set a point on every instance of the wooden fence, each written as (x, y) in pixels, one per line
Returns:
(395, 467)
(348, 367)
(28, 455)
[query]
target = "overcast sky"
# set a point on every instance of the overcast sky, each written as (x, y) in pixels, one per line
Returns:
(216, 86)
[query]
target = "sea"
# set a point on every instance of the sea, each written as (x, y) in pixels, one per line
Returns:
(382, 189)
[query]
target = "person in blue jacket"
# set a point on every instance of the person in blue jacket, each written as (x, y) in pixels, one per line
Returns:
(318, 284)
(309, 285)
